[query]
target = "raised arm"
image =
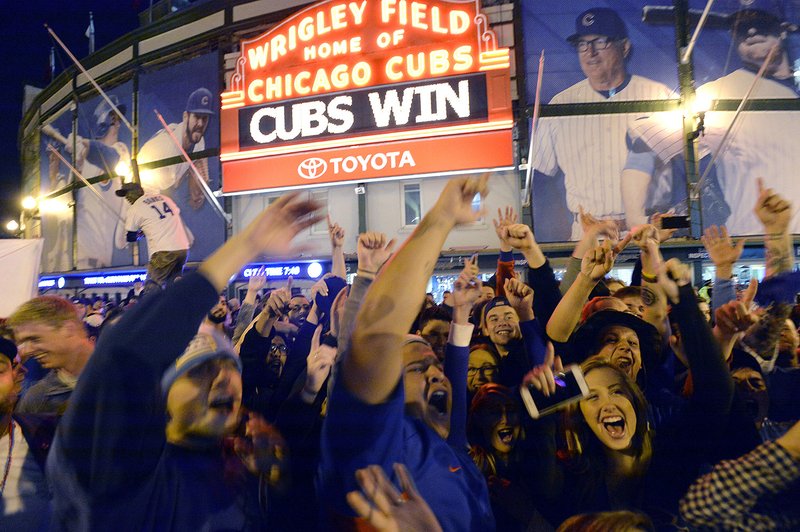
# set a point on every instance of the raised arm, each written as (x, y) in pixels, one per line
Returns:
(728, 497)
(540, 275)
(505, 262)
(397, 293)
(119, 393)
(713, 386)
(373, 251)
(775, 213)
(724, 254)
(595, 265)
(245, 316)
(336, 234)
(466, 290)
(592, 230)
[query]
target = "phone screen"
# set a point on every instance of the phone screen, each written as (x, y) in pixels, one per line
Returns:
(568, 390)
(675, 222)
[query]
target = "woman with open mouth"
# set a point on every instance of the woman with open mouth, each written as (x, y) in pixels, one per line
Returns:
(496, 439)
(605, 456)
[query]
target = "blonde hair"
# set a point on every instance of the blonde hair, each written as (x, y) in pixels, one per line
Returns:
(46, 310)
(620, 521)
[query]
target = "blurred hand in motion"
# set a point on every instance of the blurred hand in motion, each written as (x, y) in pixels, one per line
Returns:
(774, 211)
(272, 232)
(454, 205)
(262, 449)
(387, 509)
(737, 316)
(335, 233)
(671, 276)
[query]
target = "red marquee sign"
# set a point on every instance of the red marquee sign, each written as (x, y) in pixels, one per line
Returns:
(367, 89)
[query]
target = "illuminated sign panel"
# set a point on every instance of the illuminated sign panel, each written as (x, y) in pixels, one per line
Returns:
(374, 75)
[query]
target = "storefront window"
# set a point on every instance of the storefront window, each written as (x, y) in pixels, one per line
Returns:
(412, 204)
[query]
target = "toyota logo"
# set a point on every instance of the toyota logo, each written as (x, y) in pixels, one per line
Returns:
(312, 168)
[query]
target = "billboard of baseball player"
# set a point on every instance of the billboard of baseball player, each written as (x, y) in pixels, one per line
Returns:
(596, 52)
(56, 213)
(727, 59)
(102, 148)
(186, 95)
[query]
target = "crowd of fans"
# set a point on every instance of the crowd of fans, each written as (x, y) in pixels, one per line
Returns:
(369, 405)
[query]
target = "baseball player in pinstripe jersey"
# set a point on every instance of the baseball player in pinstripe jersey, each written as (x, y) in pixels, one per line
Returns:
(591, 150)
(762, 143)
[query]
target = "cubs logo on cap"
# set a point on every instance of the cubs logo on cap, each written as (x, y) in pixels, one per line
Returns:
(599, 21)
(199, 102)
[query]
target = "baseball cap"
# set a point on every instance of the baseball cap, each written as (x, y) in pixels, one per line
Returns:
(199, 102)
(127, 187)
(204, 346)
(599, 21)
(102, 115)
(8, 348)
(495, 302)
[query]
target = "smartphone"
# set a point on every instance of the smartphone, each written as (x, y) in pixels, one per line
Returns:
(570, 387)
(675, 222)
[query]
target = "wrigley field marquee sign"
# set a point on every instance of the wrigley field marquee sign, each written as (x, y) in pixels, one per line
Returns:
(367, 89)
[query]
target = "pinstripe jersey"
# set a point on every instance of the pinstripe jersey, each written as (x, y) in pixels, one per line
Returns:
(591, 149)
(762, 144)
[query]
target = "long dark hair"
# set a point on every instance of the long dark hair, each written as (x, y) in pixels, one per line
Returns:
(481, 413)
(585, 456)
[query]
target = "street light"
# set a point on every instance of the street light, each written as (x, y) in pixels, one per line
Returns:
(12, 226)
(29, 203)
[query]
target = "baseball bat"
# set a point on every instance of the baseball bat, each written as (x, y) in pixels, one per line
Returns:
(53, 133)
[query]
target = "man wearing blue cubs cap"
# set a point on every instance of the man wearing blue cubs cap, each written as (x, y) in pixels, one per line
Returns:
(190, 132)
(591, 150)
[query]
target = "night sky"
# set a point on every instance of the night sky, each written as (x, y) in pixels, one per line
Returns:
(25, 60)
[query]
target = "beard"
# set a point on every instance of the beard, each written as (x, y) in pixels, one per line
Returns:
(215, 319)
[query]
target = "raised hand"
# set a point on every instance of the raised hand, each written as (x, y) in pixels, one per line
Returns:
(721, 249)
(373, 251)
(262, 449)
(273, 230)
(671, 276)
(454, 205)
(520, 296)
(320, 287)
(774, 211)
(257, 281)
(737, 316)
(597, 262)
(387, 509)
(318, 365)
(503, 220)
(519, 236)
(335, 233)
(643, 234)
(596, 227)
(663, 234)
(278, 301)
(542, 377)
(466, 290)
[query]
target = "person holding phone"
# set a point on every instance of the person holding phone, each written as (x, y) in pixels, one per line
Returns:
(609, 458)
